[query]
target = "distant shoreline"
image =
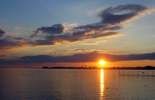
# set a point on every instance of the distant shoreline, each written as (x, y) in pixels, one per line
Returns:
(85, 68)
(112, 68)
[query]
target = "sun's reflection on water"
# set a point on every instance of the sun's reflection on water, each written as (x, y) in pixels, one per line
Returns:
(101, 84)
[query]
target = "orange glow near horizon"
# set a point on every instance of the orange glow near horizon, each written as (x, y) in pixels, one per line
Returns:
(102, 63)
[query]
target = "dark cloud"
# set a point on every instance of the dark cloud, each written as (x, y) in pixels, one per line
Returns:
(146, 56)
(52, 40)
(121, 13)
(7, 42)
(4, 43)
(54, 29)
(112, 19)
(1, 32)
(87, 57)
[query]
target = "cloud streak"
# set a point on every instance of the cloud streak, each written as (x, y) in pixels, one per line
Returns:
(88, 57)
(1, 32)
(123, 13)
(85, 57)
(112, 19)
(7, 42)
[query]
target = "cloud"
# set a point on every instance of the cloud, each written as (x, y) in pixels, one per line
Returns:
(85, 57)
(88, 57)
(5, 41)
(55, 29)
(123, 13)
(10, 41)
(112, 19)
(1, 32)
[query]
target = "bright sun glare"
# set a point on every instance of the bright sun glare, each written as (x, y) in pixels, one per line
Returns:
(102, 63)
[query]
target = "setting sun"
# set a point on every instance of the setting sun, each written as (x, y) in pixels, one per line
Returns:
(102, 63)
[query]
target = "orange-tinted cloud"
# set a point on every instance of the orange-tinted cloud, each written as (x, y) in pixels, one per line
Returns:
(112, 19)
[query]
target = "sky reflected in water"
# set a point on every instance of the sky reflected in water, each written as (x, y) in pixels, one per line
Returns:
(45, 84)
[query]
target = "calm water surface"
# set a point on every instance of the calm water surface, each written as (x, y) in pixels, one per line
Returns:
(67, 84)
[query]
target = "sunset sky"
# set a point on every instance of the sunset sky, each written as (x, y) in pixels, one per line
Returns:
(34, 32)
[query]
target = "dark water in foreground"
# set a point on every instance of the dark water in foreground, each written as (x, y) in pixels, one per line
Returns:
(67, 84)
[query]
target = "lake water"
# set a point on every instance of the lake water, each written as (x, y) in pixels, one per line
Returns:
(69, 84)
